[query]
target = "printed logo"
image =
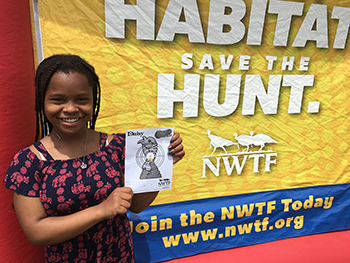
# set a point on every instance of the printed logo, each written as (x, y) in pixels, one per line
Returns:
(133, 133)
(252, 146)
(162, 133)
(164, 182)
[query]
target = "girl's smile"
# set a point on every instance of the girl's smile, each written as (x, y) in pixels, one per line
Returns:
(70, 120)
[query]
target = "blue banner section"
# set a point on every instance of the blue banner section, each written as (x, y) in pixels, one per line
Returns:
(168, 231)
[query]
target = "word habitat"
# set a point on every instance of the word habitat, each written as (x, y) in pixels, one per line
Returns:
(144, 12)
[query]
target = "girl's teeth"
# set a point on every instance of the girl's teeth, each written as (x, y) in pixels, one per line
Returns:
(70, 120)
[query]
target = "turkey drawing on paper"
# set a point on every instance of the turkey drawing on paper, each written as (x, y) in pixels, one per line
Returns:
(148, 166)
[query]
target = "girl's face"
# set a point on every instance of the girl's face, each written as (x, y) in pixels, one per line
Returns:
(68, 103)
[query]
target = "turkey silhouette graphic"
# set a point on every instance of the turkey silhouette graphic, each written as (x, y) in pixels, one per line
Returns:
(247, 142)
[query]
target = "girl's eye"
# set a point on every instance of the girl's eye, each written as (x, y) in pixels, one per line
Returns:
(57, 100)
(83, 99)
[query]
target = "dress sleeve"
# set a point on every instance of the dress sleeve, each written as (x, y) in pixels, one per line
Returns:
(23, 174)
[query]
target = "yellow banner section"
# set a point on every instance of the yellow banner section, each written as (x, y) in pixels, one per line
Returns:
(257, 89)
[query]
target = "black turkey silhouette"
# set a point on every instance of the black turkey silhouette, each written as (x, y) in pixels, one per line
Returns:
(149, 150)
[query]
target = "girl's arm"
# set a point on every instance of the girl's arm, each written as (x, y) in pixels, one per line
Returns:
(43, 230)
(143, 200)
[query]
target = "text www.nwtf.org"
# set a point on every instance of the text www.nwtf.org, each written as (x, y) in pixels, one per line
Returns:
(210, 234)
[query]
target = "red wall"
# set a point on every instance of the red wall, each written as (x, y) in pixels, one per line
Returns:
(17, 119)
(322, 248)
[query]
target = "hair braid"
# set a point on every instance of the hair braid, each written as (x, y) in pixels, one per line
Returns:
(96, 94)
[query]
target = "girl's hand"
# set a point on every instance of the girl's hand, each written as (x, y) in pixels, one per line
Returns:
(176, 148)
(118, 202)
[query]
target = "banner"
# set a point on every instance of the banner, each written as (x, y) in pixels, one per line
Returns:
(211, 224)
(258, 91)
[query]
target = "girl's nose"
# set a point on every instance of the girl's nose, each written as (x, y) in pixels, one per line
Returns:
(70, 107)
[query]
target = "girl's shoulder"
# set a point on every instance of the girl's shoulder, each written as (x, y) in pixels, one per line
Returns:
(116, 138)
(25, 155)
(35, 151)
(23, 174)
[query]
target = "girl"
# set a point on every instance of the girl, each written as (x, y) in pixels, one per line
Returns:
(68, 186)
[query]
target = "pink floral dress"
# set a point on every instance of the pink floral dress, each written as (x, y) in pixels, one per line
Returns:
(64, 188)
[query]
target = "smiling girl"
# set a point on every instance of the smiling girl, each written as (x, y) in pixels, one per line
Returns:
(68, 186)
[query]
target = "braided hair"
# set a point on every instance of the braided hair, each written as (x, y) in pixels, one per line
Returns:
(66, 64)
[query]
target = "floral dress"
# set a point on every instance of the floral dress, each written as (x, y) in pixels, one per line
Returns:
(64, 188)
